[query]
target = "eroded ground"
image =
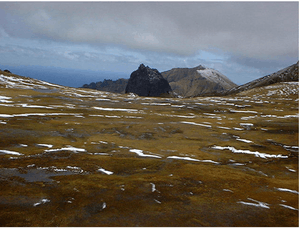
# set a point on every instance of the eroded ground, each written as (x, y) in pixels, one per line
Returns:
(75, 157)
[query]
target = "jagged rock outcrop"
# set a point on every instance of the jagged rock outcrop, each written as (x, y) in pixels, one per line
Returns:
(117, 86)
(197, 81)
(287, 74)
(148, 82)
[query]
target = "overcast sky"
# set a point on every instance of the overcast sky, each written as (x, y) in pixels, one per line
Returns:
(243, 40)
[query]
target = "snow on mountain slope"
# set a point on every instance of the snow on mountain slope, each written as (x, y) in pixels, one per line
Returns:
(19, 82)
(197, 81)
(280, 89)
(216, 77)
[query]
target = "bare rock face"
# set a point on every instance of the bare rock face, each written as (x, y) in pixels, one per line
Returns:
(148, 82)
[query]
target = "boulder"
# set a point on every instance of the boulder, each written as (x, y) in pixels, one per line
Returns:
(148, 82)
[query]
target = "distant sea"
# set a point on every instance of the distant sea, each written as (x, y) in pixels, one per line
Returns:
(63, 76)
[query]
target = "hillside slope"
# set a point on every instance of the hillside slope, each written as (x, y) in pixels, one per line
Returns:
(197, 81)
(10, 80)
(288, 74)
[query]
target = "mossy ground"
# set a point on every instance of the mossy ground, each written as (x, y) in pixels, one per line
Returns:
(171, 189)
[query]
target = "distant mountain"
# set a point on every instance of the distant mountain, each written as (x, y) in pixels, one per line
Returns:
(197, 81)
(117, 86)
(148, 82)
(288, 74)
(63, 76)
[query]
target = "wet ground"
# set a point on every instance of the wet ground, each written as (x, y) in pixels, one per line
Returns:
(75, 157)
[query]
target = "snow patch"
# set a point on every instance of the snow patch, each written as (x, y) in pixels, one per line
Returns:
(42, 201)
(141, 154)
(214, 76)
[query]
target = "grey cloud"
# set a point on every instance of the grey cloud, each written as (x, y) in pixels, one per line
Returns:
(255, 29)
(263, 66)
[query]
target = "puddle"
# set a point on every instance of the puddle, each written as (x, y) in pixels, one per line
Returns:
(46, 90)
(33, 175)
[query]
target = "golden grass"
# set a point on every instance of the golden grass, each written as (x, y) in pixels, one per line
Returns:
(147, 191)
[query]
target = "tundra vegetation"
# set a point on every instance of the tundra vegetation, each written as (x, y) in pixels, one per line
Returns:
(81, 157)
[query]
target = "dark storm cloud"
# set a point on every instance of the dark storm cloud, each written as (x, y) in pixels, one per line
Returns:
(255, 29)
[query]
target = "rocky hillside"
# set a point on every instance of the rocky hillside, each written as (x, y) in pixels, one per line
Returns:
(197, 81)
(148, 82)
(288, 74)
(109, 85)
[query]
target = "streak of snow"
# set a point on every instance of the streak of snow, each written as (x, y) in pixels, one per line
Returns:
(210, 161)
(244, 140)
(140, 153)
(45, 145)
(242, 111)
(183, 158)
(10, 152)
(4, 99)
(289, 207)
(23, 145)
(116, 109)
(105, 171)
(202, 125)
(287, 190)
(157, 201)
(38, 114)
(157, 104)
(256, 153)
(257, 204)
(238, 129)
(292, 170)
(226, 128)
(69, 148)
(153, 187)
(34, 106)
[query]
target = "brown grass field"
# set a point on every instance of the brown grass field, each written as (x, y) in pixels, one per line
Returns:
(79, 157)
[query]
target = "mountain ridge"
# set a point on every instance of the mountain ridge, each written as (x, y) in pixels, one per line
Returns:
(197, 81)
(290, 73)
(109, 85)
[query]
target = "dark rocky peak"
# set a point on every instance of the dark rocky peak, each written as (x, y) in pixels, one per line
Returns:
(149, 72)
(146, 81)
(142, 66)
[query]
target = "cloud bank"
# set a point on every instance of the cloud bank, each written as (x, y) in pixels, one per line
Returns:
(247, 33)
